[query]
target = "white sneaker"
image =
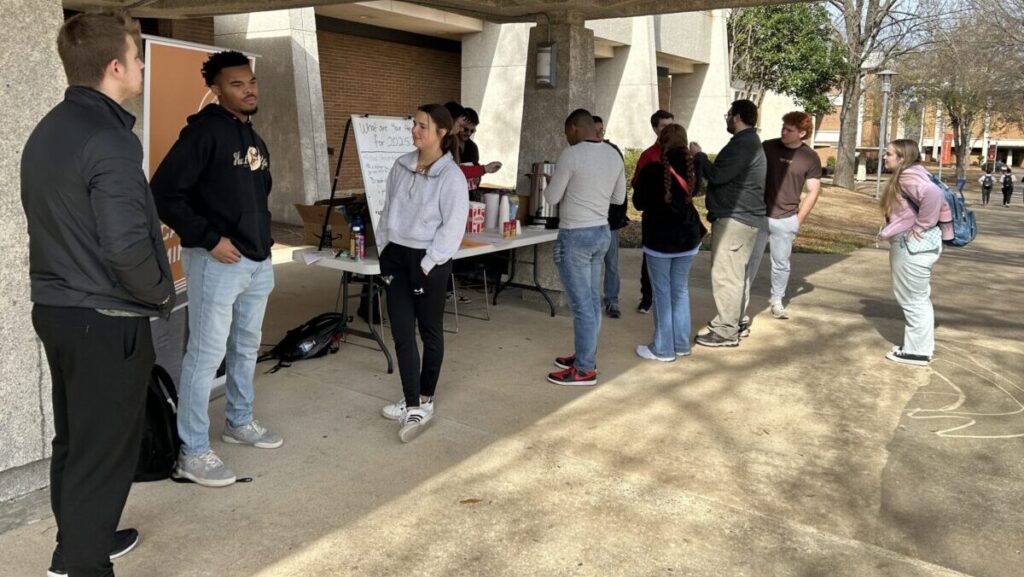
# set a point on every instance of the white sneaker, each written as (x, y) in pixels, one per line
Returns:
(394, 411)
(413, 422)
(779, 311)
(645, 352)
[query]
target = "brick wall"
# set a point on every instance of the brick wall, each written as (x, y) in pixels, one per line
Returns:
(368, 76)
(198, 30)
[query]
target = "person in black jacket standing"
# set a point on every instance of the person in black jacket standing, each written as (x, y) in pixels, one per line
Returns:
(617, 220)
(212, 189)
(737, 211)
(672, 233)
(98, 271)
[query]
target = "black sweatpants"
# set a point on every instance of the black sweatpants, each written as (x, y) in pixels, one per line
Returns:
(1006, 195)
(985, 194)
(99, 366)
(415, 299)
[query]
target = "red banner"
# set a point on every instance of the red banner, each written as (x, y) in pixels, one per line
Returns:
(947, 147)
(991, 152)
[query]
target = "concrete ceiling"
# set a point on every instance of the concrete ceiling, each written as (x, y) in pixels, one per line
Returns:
(492, 10)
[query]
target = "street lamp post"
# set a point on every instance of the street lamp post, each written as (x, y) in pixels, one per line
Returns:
(883, 124)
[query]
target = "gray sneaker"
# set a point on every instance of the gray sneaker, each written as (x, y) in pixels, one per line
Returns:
(206, 469)
(253, 434)
(779, 311)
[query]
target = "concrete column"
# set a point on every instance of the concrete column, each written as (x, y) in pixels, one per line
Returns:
(493, 80)
(33, 83)
(542, 135)
(701, 99)
(291, 116)
(626, 87)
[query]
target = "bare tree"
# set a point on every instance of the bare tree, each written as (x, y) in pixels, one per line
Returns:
(875, 32)
(967, 75)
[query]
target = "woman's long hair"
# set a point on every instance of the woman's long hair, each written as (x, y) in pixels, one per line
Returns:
(673, 139)
(908, 155)
(443, 120)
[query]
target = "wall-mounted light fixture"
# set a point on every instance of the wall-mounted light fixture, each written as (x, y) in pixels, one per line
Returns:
(547, 64)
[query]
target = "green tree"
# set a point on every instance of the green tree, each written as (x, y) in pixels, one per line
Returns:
(790, 49)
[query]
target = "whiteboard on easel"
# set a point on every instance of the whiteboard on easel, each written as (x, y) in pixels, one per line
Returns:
(380, 140)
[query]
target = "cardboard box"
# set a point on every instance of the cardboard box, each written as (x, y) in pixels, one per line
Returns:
(313, 221)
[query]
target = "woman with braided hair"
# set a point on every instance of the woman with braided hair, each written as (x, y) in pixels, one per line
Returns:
(671, 236)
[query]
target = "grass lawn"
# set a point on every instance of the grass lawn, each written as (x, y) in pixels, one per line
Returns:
(841, 222)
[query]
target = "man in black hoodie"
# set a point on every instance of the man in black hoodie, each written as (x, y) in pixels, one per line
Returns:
(98, 271)
(212, 189)
(736, 211)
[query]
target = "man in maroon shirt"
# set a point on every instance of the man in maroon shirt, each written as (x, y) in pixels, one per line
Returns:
(792, 167)
(659, 120)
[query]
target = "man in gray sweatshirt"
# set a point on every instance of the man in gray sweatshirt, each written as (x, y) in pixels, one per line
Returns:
(737, 211)
(588, 177)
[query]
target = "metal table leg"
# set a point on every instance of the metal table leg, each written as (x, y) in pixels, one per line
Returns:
(536, 283)
(373, 334)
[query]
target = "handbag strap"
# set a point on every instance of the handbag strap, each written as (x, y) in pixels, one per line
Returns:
(679, 179)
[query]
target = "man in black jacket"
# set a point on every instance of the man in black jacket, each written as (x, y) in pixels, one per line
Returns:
(617, 220)
(212, 189)
(98, 271)
(737, 211)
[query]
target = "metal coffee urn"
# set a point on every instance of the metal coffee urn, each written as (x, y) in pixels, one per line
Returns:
(542, 211)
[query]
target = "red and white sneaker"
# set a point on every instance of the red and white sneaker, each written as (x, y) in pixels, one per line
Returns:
(573, 377)
(565, 362)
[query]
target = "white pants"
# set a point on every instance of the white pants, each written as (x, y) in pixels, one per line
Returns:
(911, 283)
(782, 233)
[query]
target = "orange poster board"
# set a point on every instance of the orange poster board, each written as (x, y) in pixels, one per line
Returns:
(174, 91)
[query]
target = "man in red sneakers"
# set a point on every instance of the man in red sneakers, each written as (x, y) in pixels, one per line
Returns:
(588, 177)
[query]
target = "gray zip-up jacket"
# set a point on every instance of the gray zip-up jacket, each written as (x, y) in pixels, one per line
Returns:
(736, 180)
(425, 210)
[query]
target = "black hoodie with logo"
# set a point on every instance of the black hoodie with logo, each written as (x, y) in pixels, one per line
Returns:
(214, 182)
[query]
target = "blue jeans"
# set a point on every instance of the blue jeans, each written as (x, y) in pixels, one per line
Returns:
(611, 270)
(579, 255)
(226, 303)
(670, 279)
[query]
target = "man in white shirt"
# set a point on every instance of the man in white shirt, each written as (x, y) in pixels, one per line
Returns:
(588, 177)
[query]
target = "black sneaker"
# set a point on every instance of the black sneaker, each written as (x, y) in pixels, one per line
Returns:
(644, 307)
(124, 541)
(898, 356)
(744, 329)
(613, 311)
(712, 339)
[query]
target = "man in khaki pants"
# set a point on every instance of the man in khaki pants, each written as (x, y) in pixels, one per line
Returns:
(736, 210)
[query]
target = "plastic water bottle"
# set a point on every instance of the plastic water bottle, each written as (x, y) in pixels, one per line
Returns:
(356, 231)
(360, 245)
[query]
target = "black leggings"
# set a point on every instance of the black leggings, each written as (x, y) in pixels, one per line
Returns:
(646, 294)
(415, 299)
(1006, 196)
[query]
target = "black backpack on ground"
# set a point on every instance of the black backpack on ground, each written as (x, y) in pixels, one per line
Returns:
(160, 440)
(316, 337)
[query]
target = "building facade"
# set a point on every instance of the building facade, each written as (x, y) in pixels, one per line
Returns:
(317, 67)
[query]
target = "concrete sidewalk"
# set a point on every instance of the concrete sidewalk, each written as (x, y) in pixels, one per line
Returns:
(800, 453)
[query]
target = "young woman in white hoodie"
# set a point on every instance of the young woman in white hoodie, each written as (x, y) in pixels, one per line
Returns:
(420, 230)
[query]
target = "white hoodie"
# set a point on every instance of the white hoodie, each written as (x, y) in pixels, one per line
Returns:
(426, 211)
